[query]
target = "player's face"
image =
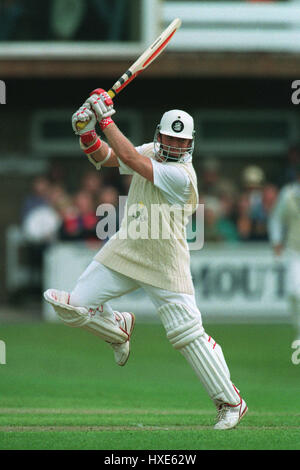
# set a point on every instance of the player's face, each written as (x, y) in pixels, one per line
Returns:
(174, 146)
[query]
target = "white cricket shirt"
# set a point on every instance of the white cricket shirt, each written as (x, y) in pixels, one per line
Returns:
(174, 183)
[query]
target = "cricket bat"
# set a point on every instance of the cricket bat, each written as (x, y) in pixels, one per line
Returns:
(143, 61)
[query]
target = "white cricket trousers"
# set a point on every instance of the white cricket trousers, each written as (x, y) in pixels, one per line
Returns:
(99, 284)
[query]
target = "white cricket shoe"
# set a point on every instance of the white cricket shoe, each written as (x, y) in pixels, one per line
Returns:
(229, 416)
(126, 322)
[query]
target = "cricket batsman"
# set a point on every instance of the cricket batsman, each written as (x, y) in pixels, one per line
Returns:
(284, 230)
(164, 177)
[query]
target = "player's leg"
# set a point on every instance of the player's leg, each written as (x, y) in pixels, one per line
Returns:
(113, 284)
(182, 321)
(87, 307)
(160, 297)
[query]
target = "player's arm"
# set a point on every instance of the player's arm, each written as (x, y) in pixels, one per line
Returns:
(104, 156)
(102, 105)
(98, 152)
(127, 152)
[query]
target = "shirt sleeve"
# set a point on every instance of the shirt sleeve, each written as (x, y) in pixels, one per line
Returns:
(125, 169)
(173, 182)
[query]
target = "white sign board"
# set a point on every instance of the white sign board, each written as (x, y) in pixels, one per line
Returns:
(241, 281)
(232, 282)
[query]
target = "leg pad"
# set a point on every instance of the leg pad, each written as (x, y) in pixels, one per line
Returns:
(80, 317)
(187, 334)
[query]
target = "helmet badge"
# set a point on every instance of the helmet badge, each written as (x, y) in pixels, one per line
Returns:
(177, 126)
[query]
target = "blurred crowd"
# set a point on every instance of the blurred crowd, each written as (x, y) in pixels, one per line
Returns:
(240, 210)
(50, 213)
(235, 212)
(235, 209)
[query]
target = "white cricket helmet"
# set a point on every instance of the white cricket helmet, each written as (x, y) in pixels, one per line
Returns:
(175, 123)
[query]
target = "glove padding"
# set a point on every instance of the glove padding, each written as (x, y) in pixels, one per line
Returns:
(101, 103)
(83, 114)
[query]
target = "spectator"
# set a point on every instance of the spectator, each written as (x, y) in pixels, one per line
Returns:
(80, 220)
(217, 227)
(57, 173)
(40, 221)
(253, 215)
(40, 225)
(253, 180)
(209, 176)
(261, 211)
(212, 183)
(87, 215)
(228, 197)
(59, 199)
(39, 196)
(243, 221)
(92, 183)
(109, 195)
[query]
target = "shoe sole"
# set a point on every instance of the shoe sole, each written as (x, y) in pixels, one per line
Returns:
(131, 329)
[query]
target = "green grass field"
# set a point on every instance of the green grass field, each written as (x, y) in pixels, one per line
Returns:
(61, 389)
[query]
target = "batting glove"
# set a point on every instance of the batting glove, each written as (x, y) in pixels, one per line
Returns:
(102, 105)
(84, 114)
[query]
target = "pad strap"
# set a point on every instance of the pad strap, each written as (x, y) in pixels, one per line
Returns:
(179, 338)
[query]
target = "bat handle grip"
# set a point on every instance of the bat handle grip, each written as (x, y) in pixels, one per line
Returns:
(82, 124)
(111, 93)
